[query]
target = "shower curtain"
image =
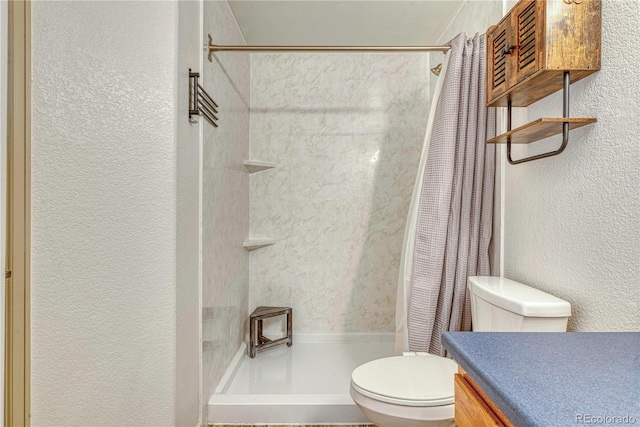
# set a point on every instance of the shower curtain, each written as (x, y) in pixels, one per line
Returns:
(450, 222)
(406, 259)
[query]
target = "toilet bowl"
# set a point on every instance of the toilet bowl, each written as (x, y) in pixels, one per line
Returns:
(406, 391)
(416, 390)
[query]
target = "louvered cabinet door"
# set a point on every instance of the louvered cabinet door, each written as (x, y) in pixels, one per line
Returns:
(498, 60)
(527, 25)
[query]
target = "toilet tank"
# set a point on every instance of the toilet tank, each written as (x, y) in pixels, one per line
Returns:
(503, 305)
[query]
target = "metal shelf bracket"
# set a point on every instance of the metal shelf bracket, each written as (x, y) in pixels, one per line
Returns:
(565, 127)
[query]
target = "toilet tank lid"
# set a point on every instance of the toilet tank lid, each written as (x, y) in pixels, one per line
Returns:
(517, 297)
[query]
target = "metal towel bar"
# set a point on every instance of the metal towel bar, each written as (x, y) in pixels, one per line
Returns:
(200, 103)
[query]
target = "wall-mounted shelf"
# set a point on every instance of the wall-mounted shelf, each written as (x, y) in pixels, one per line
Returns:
(538, 48)
(253, 166)
(540, 129)
(253, 244)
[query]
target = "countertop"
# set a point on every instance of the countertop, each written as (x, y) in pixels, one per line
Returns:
(554, 379)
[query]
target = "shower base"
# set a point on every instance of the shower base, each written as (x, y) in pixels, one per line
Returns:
(305, 384)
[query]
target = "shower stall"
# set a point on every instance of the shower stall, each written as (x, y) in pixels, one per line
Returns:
(306, 186)
(320, 230)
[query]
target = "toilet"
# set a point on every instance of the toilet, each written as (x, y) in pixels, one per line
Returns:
(416, 389)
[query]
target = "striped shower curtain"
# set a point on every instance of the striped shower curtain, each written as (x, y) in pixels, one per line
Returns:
(454, 213)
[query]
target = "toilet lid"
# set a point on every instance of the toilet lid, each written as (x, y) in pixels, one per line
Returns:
(407, 380)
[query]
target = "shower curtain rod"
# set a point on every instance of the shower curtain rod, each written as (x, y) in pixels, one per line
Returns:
(211, 48)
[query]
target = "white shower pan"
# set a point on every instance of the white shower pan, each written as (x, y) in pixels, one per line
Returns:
(305, 384)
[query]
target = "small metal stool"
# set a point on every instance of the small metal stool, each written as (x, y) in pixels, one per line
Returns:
(257, 341)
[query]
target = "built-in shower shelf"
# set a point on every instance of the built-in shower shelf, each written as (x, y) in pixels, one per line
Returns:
(253, 166)
(253, 244)
(540, 129)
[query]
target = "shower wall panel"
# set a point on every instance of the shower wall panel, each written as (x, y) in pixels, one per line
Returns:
(225, 200)
(346, 132)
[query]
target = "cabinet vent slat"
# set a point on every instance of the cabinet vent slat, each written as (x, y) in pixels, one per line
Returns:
(525, 55)
(527, 36)
(499, 60)
(531, 43)
(525, 27)
(528, 16)
(527, 33)
(526, 58)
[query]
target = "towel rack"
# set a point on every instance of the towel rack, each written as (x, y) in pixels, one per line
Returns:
(200, 103)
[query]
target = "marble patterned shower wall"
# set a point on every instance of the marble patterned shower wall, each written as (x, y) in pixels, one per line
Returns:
(225, 201)
(346, 133)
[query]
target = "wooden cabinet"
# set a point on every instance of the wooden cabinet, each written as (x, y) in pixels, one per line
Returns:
(473, 408)
(497, 57)
(529, 50)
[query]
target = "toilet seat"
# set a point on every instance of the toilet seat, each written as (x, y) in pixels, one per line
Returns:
(423, 380)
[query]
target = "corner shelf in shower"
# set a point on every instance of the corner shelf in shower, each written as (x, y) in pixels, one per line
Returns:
(253, 166)
(253, 244)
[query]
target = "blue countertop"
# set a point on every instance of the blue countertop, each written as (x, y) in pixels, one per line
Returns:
(554, 379)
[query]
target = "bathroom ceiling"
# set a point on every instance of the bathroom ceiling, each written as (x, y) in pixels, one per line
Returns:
(316, 22)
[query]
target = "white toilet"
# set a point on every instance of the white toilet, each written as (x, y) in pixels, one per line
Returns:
(417, 390)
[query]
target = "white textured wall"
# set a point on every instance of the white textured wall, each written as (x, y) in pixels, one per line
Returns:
(225, 200)
(346, 132)
(188, 313)
(106, 291)
(572, 222)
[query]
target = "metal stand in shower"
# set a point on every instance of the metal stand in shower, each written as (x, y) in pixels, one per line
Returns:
(257, 341)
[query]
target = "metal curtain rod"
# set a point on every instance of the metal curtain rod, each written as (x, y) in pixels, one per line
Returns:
(240, 48)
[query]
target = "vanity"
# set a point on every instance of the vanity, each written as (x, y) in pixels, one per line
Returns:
(545, 379)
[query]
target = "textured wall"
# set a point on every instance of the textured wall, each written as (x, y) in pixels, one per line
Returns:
(188, 313)
(572, 222)
(346, 133)
(225, 200)
(104, 213)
